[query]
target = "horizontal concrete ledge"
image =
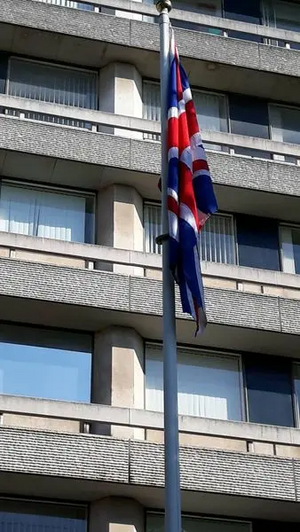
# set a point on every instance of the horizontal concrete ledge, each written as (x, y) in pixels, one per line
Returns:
(141, 125)
(130, 417)
(203, 20)
(110, 255)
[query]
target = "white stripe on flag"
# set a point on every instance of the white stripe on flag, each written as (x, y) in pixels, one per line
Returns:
(198, 152)
(173, 226)
(187, 95)
(196, 140)
(186, 214)
(187, 158)
(172, 112)
(173, 194)
(181, 107)
(173, 153)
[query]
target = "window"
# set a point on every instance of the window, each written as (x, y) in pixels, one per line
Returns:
(285, 127)
(152, 227)
(155, 523)
(46, 212)
(210, 107)
(249, 116)
(290, 249)
(46, 363)
(41, 516)
(283, 15)
(209, 385)
(205, 7)
(269, 390)
(216, 241)
(53, 84)
(258, 243)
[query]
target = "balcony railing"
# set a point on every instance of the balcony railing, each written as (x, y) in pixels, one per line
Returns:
(98, 121)
(88, 414)
(131, 9)
(148, 264)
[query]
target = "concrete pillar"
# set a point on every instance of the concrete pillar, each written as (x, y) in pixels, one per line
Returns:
(116, 514)
(118, 375)
(120, 223)
(120, 92)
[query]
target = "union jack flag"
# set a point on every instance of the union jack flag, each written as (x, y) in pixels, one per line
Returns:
(191, 198)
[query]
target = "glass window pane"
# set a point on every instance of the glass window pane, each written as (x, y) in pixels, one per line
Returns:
(152, 228)
(41, 517)
(45, 363)
(285, 124)
(208, 385)
(290, 247)
(155, 523)
(53, 84)
(210, 108)
(269, 388)
(45, 213)
(216, 239)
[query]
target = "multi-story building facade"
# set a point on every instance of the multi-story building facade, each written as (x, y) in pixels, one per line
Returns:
(81, 441)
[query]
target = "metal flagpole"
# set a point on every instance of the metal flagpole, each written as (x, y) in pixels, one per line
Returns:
(172, 473)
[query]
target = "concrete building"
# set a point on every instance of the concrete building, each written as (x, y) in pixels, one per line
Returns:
(81, 442)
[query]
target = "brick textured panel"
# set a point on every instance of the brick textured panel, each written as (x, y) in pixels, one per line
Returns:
(142, 156)
(65, 455)
(65, 21)
(63, 284)
(289, 314)
(107, 290)
(64, 143)
(146, 36)
(216, 471)
(296, 464)
(228, 307)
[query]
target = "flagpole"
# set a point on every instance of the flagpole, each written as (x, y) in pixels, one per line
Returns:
(172, 472)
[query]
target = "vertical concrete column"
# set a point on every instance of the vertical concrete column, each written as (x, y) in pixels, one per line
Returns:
(118, 375)
(120, 92)
(116, 514)
(120, 223)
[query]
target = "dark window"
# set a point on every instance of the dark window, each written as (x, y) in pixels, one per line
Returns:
(245, 12)
(41, 517)
(269, 389)
(258, 243)
(249, 116)
(3, 70)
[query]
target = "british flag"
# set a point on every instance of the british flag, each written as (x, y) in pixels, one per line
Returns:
(191, 198)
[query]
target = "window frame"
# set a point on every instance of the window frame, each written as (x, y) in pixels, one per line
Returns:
(290, 226)
(149, 203)
(28, 332)
(53, 64)
(57, 189)
(201, 516)
(181, 349)
(198, 90)
(277, 157)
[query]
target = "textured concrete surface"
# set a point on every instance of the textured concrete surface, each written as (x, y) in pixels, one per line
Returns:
(140, 156)
(139, 295)
(134, 462)
(141, 35)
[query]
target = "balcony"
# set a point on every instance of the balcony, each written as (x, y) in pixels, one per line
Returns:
(62, 294)
(81, 466)
(63, 34)
(65, 155)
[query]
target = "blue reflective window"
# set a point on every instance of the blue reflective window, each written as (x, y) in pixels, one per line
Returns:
(33, 516)
(45, 363)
